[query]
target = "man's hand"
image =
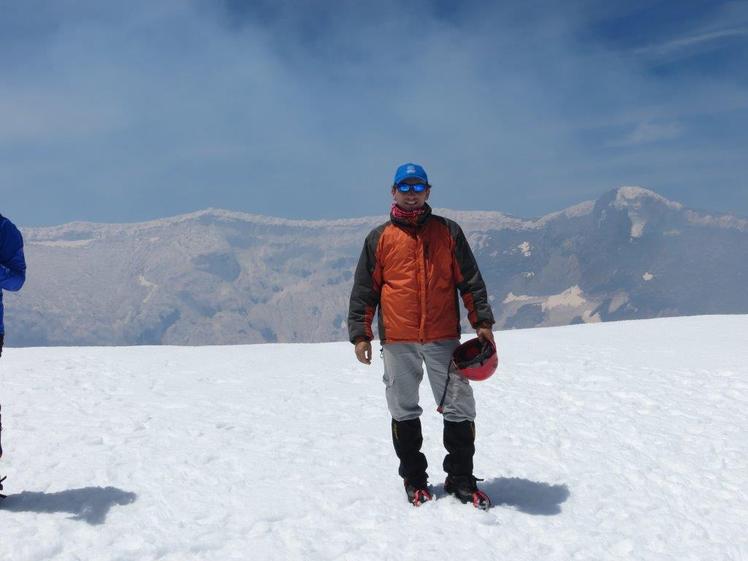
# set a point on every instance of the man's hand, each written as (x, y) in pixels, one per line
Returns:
(485, 333)
(363, 352)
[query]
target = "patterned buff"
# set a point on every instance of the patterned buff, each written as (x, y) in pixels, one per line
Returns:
(409, 216)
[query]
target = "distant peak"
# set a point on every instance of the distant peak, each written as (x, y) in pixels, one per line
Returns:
(631, 195)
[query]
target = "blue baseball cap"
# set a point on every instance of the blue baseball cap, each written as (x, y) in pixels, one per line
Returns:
(410, 171)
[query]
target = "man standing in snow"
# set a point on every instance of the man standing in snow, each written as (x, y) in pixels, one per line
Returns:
(12, 274)
(412, 268)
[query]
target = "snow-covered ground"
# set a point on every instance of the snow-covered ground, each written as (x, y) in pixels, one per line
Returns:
(611, 441)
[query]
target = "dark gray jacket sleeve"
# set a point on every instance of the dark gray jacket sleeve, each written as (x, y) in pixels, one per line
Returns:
(367, 287)
(470, 282)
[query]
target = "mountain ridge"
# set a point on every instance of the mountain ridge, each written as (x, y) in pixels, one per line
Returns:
(218, 277)
(625, 197)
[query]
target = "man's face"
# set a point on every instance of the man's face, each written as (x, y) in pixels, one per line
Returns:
(410, 200)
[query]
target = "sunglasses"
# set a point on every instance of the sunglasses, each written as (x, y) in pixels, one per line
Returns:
(407, 187)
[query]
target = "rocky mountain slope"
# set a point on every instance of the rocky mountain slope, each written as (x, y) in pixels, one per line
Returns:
(215, 277)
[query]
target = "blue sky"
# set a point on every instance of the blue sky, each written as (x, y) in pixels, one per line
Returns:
(127, 111)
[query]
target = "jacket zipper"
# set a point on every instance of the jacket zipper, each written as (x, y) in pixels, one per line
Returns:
(426, 257)
(422, 261)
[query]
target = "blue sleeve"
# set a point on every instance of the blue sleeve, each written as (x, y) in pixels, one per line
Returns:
(12, 261)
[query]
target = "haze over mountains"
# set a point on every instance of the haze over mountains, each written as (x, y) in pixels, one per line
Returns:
(219, 277)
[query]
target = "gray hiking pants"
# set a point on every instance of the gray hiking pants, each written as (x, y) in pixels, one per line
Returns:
(403, 372)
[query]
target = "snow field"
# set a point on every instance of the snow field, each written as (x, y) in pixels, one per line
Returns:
(610, 441)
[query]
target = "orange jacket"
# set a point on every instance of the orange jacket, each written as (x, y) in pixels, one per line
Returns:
(413, 273)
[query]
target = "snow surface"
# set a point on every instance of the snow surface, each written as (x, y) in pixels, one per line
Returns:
(610, 441)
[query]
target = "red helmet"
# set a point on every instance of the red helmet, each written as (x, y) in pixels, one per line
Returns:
(476, 360)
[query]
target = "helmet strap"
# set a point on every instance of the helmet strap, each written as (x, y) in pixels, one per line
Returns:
(440, 408)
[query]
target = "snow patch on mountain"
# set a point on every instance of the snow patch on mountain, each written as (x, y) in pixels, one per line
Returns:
(617, 301)
(637, 226)
(577, 211)
(484, 220)
(73, 244)
(628, 196)
(151, 286)
(511, 298)
(478, 240)
(717, 221)
(568, 306)
(571, 298)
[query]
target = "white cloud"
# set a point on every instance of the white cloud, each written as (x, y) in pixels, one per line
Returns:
(694, 42)
(645, 133)
(178, 101)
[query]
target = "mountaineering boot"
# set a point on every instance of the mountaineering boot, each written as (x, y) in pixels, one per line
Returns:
(417, 495)
(459, 440)
(407, 440)
(464, 488)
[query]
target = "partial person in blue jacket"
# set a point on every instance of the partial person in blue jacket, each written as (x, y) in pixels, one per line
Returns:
(12, 275)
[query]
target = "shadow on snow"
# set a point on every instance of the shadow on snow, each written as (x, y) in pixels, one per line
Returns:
(530, 497)
(90, 504)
